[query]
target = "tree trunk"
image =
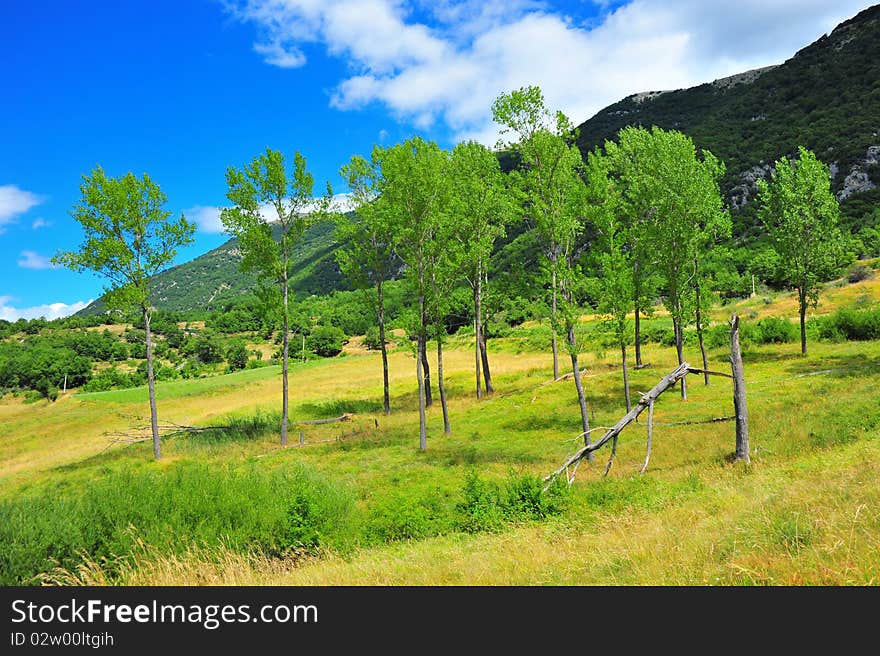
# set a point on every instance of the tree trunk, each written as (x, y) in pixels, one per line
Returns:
(423, 433)
(484, 351)
(553, 325)
(446, 428)
(636, 307)
(478, 325)
(679, 348)
(386, 399)
(582, 400)
(739, 394)
(802, 303)
(625, 376)
(151, 385)
(700, 336)
(285, 352)
(426, 370)
(484, 354)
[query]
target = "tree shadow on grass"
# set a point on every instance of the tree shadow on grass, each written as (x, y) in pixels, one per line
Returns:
(757, 357)
(856, 365)
(475, 455)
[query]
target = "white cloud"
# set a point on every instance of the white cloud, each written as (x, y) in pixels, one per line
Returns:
(40, 222)
(15, 201)
(207, 217)
(451, 66)
(48, 311)
(33, 260)
(278, 55)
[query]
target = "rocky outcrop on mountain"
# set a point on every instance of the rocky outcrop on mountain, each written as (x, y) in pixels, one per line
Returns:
(859, 178)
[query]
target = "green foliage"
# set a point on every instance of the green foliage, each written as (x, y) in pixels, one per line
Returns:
(848, 323)
(326, 341)
(371, 338)
(289, 509)
(237, 356)
(111, 378)
(775, 330)
(487, 505)
(206, 347)
(41, 364)
(672, 195)
(801, 214)
(128, 236)
(398, 517)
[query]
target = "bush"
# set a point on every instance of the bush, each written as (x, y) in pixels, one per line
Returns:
(371, 339)
(776, 330)
(326, 341)
(107, 379)
(851, 324)
(237, 356)
(486, 505)
(859, 272)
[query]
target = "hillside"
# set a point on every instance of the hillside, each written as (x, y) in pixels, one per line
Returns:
(214, 279)
(826, 97)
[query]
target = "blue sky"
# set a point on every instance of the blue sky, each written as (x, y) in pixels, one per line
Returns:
(181, 90)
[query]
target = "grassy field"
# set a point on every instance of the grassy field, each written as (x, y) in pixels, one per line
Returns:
(359, 504)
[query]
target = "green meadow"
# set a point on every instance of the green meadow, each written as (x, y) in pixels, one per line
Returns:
(358, 503)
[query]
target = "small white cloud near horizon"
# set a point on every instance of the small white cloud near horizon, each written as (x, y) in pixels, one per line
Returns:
(48, 311)
(33, 260)
(207, 217)
(14, 202)
(40, 222)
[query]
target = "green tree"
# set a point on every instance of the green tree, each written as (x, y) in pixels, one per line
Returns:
(237, 356)
(675, 193)
(366, 252)
(129, 238)
(801, 214)
(412, 189)
(611, 254)
(261, 192)
(636, 215)
(553, 196)
(481, 205)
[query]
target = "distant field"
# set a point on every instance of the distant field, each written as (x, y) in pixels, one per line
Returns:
(374, 510)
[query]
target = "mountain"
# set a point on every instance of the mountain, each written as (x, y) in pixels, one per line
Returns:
(826, 97)
(214, 279)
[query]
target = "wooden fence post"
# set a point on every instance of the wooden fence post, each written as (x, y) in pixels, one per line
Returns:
(739, 394)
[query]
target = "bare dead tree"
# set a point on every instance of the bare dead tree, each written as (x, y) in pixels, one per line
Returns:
(739, 394)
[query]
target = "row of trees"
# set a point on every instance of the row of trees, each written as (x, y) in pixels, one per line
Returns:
(635, 220)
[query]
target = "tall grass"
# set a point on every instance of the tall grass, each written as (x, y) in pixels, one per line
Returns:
(286, 510)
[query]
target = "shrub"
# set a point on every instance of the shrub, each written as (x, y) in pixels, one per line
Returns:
(237, 356)
(486, 505)
(859, 272)
(371, 339)
(776, 330)
(326, 341)
(851, 324)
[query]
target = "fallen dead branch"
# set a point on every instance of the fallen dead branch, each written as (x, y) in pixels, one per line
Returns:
(647, 400)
